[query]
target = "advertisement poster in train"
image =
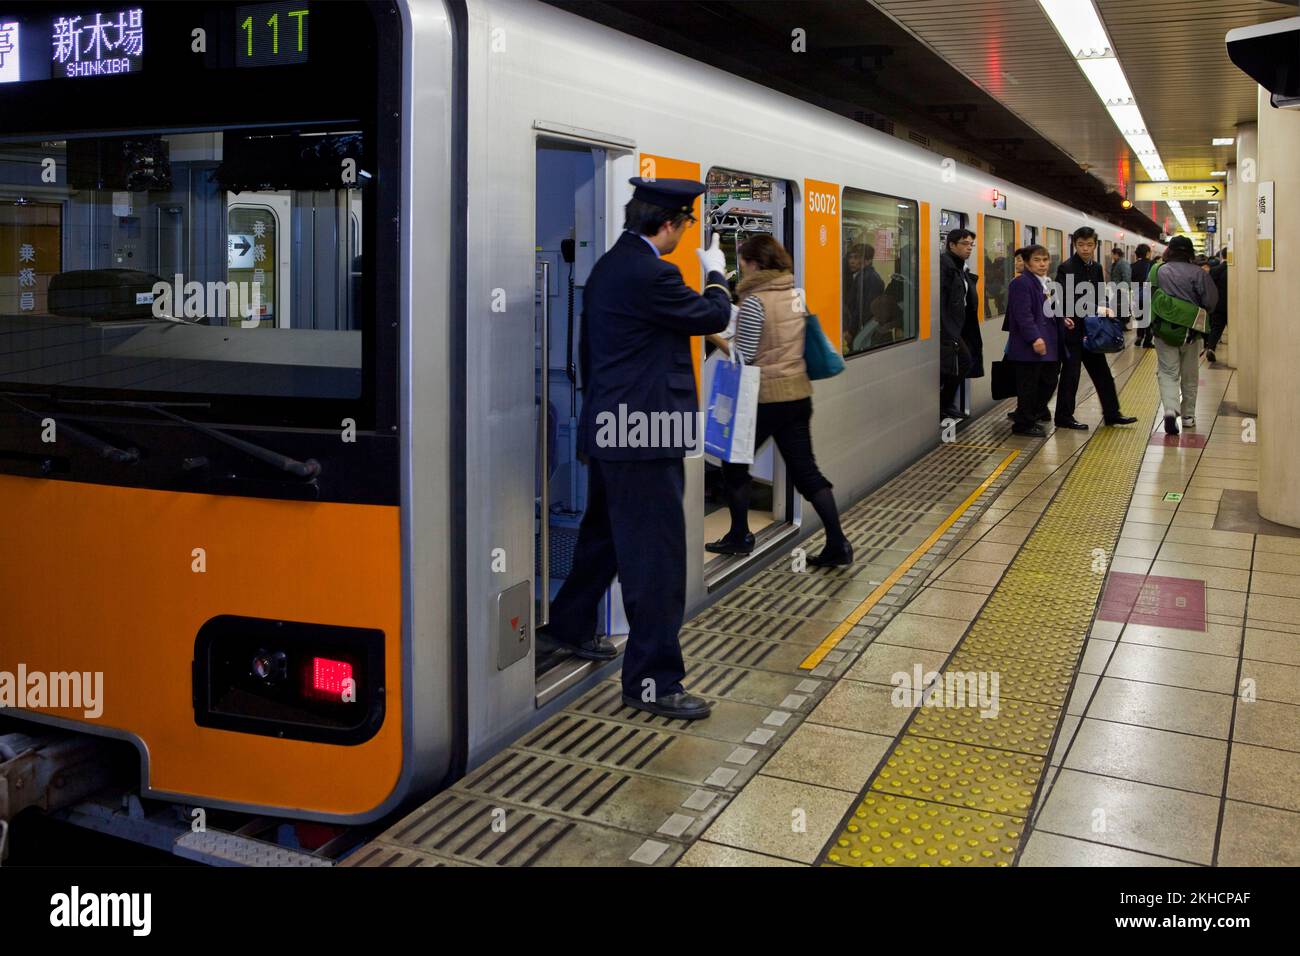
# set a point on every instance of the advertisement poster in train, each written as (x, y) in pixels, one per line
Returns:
(1264, 228)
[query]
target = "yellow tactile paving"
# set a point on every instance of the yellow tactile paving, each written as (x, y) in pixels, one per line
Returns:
(960, 781)
(893, 831)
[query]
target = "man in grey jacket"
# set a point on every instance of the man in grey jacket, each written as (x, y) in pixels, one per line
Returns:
(1179, 365)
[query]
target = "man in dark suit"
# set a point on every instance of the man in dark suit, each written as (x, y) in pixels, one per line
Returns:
(640, 414)
(1076, 277)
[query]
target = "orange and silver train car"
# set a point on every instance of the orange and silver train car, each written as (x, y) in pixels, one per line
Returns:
(287, 320)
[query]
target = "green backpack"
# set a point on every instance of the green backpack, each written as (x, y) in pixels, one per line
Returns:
(1171, 318)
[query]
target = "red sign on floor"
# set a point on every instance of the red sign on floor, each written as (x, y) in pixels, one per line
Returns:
(1154, 600)
(1185, 440)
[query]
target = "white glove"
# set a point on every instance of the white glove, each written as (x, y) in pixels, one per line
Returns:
(712, 258)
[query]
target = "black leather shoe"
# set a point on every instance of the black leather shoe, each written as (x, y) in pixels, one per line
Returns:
(1171, 424)
(1034, 431)
(1121, 420)
(952, 413)
(730, 545)
(1044, 416)
(829, 557)
(682, 706)
(597, 649)
(1072, 424)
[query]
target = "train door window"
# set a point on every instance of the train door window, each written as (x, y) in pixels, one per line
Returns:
(948, 221)
(255, 252)
(880, 269)
(1055, 245)
(738, 205)
(571, 232)
(999, 245)
(1030, 235)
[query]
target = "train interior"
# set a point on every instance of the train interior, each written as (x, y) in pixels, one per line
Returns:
(89, 226)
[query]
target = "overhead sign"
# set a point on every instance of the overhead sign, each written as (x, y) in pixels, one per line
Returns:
(95, 44)
(1158, 192)
(1264, 228)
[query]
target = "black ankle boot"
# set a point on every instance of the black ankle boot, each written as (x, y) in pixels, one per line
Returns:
(833, 555)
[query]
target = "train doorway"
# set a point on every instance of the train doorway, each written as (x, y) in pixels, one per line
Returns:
(572, 232)
(949, 220)
(738, 205)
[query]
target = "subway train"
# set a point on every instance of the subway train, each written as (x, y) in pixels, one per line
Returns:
(306, 538)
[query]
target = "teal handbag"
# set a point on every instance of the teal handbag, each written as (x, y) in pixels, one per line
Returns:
(822, 359)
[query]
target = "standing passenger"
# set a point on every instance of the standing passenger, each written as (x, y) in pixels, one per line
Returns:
(770, 334)
(1219, 315)
(1033, 341)
(1179, 366)
(1141, 267)
(635, 355)
(960, 344)
(1085, 274)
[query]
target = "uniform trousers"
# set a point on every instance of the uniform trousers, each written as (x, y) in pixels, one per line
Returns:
(633, 527)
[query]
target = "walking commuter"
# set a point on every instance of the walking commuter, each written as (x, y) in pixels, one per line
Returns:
(1179, 365)
(1080, 281)
(1219, 314)
(1033, 341)
(961, 349)
(635, 360)
(770, 333)
(1141, 267)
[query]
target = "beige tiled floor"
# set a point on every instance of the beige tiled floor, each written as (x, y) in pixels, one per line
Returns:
(1180, 746)
(1185, 724)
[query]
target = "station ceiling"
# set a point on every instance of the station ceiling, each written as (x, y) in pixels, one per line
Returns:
(1173, 55)
(990, 76)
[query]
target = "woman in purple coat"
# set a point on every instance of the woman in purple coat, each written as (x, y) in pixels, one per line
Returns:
(1033, 341)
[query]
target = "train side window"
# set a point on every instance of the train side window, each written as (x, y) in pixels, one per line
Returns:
(999, 244)
(880, 269)
(1055, 242)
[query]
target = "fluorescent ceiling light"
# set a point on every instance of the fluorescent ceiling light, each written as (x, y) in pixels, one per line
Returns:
(1078, 25)
(1222, 141)
(1177, 209)
(1084, 35)
(1218, 172)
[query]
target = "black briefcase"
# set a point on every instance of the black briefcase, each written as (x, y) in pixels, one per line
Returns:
(1003, 380)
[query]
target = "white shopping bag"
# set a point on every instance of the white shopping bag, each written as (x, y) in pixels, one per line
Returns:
(733, 410)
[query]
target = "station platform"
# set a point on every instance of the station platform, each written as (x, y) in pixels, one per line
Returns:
(1117, 634)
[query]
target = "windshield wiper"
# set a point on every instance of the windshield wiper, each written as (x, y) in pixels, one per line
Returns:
(301, 469)
(105, 450)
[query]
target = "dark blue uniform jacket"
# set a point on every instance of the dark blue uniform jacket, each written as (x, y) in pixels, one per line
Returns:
(637, 321)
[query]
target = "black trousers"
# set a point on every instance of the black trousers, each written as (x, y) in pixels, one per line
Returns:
(1218, 323)
(1034, 384)
(948, 385)
(634, 526)
(1098, 370)
(789, 424)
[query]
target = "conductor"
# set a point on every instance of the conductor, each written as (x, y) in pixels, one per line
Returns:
(635, 357)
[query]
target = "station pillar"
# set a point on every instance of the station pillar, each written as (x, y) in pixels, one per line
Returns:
(1243, 289)
(1279, 318)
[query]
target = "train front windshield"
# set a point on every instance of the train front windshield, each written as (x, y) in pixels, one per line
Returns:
(188, 205)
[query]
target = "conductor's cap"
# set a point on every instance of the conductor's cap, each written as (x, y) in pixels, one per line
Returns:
(675, 194)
